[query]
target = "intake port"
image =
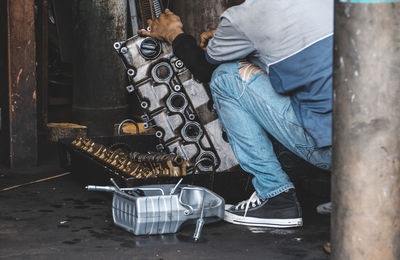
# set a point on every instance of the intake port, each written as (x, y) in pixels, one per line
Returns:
(177, 102)
(162, 72)
(192, 132)
(206, 162)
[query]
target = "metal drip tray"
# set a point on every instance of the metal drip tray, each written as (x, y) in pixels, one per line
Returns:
(162, 209)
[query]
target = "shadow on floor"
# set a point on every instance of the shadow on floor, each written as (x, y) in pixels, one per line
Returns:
(58, 219)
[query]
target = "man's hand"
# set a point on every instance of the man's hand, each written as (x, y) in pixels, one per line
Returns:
(205, 37)
(165, 28)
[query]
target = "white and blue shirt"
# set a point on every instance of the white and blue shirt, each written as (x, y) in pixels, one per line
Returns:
(292, 40)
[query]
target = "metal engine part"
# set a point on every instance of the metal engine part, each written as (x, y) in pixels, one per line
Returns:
(149, 9)
(175, 104)
(119, 157)
(163, 209)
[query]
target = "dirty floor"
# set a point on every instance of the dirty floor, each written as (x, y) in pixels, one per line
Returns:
(58, 219)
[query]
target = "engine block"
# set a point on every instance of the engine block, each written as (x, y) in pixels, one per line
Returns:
(179, 108)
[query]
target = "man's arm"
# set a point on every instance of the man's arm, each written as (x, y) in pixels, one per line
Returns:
(194, 58)
(168, 27)
(228, 44)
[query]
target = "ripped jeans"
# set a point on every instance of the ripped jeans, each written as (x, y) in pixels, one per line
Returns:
(248, 108)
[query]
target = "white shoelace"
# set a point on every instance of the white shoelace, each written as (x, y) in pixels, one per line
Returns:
(254, 200)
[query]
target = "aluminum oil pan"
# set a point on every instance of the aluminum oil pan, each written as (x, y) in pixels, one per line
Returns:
(163, 209)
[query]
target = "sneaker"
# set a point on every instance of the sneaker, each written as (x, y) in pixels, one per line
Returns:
(282, 211)
(325, 209)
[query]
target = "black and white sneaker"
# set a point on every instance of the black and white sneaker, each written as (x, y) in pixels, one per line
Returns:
(282, 211)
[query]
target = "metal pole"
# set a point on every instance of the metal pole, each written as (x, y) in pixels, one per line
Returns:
(366, 139)
(134, 16)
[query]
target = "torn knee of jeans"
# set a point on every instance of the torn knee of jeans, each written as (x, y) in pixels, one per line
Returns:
(247, 70)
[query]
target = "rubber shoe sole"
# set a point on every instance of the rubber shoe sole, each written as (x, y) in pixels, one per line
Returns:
(262, 222)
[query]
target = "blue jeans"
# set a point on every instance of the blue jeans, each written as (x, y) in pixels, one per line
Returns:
(248, 109)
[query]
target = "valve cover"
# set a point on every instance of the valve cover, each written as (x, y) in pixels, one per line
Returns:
(175, 104)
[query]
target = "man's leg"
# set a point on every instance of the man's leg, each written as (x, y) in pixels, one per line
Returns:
(249, 107)
(246, 135)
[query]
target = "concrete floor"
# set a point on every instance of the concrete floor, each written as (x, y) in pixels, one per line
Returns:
(58, 219)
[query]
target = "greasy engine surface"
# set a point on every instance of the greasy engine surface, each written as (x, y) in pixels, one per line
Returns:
(175, 104)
